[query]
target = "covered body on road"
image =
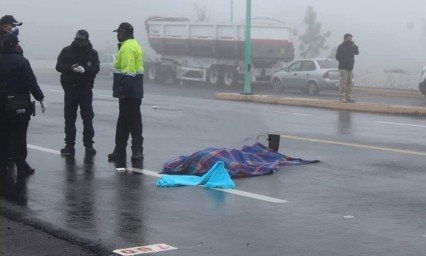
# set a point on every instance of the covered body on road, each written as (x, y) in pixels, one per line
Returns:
(250, 161)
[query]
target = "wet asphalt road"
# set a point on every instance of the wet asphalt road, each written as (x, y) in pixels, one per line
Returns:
(366, 197)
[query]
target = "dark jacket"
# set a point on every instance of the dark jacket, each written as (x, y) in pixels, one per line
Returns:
(346, 55)
(2, 35)
(87, 57)
(17, 75)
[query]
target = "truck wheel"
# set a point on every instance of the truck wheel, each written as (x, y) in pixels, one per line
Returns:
(213, 76)
(165, 74)
(152, 72)
(277, 85)
(229, 78)
(173, 77)
(312, 88)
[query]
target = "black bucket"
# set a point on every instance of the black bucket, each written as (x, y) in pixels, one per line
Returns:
(274, 142)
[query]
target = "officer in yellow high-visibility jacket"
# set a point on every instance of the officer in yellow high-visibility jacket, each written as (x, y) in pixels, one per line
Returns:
(128, 88)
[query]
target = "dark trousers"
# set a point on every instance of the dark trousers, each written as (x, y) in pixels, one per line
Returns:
(13, 140)
(129, 123)
(74, 98)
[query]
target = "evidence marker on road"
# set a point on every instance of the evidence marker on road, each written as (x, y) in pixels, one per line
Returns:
(144, 249)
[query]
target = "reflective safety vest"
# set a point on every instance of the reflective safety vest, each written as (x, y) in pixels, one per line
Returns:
(130, 58)
(128, 73)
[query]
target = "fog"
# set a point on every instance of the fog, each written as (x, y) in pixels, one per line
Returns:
(391, 34)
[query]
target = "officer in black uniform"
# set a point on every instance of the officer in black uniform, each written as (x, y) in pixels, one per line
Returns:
(17, 83)
(8, 24)
(78, 64)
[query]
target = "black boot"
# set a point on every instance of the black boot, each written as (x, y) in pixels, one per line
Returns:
(68, 150)
(118, 153)
(90, 150)
(24, 168)
(137, 154)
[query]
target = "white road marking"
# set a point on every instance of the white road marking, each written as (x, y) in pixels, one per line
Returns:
(230, 191)
(401, 124)
(290, 113)
(394, 150)
(253, 195)
(145, 171)
(120, 169)
(47, 150)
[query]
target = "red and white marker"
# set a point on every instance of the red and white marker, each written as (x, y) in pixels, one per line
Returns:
(144, 249)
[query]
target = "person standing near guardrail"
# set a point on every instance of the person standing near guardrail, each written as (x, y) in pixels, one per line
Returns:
(345, 55)
(128, 88)
(422, 82)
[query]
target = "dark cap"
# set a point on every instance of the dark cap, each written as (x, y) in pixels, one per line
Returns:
(124, 27)
(82, 34)
(347, 35)
(8, 19)
(10, 41)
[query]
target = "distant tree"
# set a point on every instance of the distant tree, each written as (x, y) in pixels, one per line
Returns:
(313, 41)
(201, 12)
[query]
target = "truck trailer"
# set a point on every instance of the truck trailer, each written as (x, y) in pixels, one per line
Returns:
(214, 53)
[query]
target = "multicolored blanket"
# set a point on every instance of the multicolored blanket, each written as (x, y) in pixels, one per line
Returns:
(250, 161)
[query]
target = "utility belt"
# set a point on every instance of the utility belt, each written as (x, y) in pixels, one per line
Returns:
(18, 105)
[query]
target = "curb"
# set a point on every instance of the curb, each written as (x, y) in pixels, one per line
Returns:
(387, 92)
(359, 106)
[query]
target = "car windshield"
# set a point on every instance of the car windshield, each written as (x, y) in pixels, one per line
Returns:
(328, 63)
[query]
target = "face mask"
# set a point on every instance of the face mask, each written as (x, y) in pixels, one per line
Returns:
(81, 43)
(15, 31)
(120, 37)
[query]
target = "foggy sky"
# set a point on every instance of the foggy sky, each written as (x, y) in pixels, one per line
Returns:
(390, 34)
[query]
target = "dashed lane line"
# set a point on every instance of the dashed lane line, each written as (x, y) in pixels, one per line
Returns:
(401, 124)
(290, 113)
(394, 150)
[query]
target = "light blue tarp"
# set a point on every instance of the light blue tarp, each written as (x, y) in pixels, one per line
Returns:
(216, 177)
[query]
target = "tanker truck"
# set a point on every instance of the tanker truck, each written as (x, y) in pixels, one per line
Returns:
(214, 53)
